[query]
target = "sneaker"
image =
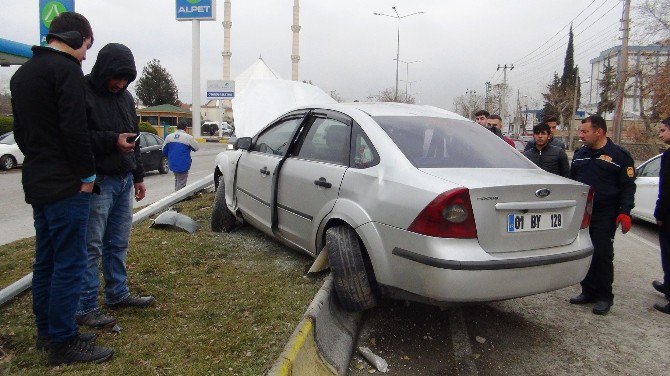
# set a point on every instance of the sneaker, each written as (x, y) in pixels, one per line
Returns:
(42, 343)
(660, 287)
(96, 319)
(134, 301)
(602, 307)
(76, 350)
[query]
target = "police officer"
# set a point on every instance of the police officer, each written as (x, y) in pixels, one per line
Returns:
(608, 169)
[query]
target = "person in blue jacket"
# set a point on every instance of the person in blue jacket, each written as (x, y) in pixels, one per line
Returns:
(177, 148)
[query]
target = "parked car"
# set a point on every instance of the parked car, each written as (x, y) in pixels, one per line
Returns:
(152, 154)
(646, 191)
(211, 128)
(409, 201)
(10, 154)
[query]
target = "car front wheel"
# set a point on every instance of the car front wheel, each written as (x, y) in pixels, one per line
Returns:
(163, 166)
(7, 162)
(351, 277)
(222, 218)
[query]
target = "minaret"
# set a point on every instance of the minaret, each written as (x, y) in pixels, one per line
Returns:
(295, 55)
(226, 40)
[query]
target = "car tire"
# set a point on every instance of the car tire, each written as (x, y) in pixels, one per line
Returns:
(163, 167)
(222, 218)
(352, 279)
(7, 162)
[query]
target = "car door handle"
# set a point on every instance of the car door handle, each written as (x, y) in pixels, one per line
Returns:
(265, 171)
(322, 183)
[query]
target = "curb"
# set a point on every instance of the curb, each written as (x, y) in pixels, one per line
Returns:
(323, 341)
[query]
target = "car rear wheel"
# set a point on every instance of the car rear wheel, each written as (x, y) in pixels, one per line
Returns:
(222, 218)
(7, 162)
(163, 166)
(351, 277)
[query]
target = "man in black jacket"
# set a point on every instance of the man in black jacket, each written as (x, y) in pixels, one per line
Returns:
(48, 103)
(548, 157)
(608, 169)
(112, 125)
(552, 122)
(662, 215)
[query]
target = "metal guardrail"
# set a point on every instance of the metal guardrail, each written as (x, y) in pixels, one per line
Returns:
(24, 283)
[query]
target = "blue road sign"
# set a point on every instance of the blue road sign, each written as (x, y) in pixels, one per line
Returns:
(195, 10)
(49, 9)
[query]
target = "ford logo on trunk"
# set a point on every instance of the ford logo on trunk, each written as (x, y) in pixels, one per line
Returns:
(542, 193)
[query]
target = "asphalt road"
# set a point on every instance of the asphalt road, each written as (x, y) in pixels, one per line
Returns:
(536, 335)
(16, 220)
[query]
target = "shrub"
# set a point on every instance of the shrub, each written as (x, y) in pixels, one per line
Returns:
(6, 124)
(147, 127)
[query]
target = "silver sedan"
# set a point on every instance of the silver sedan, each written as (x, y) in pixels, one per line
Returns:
(411, 202)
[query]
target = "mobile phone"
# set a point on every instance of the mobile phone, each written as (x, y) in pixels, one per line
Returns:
(133, 139)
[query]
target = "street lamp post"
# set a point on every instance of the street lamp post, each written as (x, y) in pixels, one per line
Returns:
(398, 17)
(407, 81)
(574, 110)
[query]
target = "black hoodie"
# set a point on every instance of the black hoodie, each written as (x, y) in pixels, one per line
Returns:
(110, 114)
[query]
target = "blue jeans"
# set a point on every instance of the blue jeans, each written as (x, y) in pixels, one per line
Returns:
(108, 231)
(60, 262)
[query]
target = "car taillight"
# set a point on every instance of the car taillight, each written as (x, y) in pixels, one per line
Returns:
(586, 219)
(449, 215)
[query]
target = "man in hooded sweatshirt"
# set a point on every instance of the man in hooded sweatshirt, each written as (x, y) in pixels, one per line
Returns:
(112, 126)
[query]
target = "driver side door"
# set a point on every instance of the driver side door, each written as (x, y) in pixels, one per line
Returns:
(256, 169)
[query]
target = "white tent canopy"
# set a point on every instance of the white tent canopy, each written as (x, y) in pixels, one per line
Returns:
(263, 100)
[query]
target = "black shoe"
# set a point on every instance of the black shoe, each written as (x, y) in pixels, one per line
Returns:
(660, 287)
(582, 299)
(663, 308)
(96, 319)
(42, 343)
(76, 350)
(602, 307)
(134, 301)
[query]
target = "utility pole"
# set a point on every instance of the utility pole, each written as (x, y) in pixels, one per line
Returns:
(486, 96)
(622, 73)
(504, 88)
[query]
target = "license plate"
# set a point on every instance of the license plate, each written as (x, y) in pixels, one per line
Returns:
(534, 222)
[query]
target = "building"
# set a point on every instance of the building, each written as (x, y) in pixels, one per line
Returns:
(645, 58)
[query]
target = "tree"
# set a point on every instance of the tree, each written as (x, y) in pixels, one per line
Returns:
(608, 90)
(469, 103)
(569, 78)
(660, 87)
(653, 19)
(156, 85)
(554, 102)
(388, 95)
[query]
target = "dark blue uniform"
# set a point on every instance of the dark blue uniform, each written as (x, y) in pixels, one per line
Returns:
(662, 213)
(610, 171)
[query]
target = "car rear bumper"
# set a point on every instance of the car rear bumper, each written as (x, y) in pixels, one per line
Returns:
(459, 270)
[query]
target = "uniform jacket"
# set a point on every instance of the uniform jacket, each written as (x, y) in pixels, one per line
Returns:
(48, 103)
(609, 170)
(110, 114)
(662, 210)
(177, 148)
(551, 159)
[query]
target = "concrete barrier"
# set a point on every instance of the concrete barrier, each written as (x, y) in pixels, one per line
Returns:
(323, 341)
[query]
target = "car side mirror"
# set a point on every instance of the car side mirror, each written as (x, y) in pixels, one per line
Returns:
(243, 143)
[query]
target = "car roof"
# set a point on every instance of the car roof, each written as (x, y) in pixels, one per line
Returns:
(392, 109)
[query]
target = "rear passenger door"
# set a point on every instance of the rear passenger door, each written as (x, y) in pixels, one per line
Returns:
(310, 178)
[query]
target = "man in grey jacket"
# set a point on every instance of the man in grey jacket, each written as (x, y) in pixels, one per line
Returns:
(548, 157)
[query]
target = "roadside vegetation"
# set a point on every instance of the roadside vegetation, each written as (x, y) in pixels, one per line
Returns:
(227, 303)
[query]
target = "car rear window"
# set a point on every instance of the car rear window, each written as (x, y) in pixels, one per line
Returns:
(430, 142)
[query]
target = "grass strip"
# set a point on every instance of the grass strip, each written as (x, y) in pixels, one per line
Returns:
(227, 303)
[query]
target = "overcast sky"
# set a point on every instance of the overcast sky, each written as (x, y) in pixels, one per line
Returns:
(344, 47)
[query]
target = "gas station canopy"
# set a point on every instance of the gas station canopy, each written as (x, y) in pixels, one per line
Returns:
(13, 53)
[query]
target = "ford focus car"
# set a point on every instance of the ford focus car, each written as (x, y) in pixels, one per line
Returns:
(411, 202)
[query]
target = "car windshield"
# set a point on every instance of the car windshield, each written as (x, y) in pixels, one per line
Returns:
(430, 142)
(9, 139)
